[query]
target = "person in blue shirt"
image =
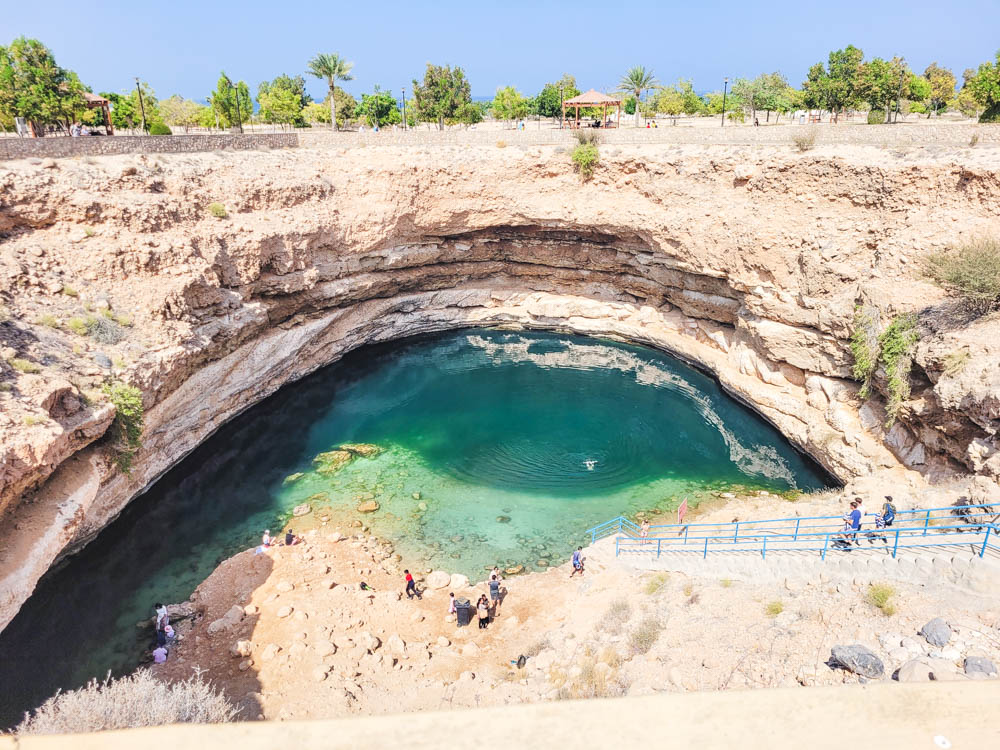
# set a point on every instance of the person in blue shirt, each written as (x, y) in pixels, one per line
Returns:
(855, 521)
(577, 562)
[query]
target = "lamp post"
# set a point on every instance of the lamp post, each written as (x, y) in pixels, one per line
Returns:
(403, 90)
(142, 107)
(562, 109)
(236, 91)
(725, 84)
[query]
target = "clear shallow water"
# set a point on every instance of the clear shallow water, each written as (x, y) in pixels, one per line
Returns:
(484, 438)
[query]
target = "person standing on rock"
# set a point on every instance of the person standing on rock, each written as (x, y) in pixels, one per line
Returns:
(411, 586)
(452, 609)
(577, 561)
(162, 622)
(483, 608)
(644, 530)
(495, 594)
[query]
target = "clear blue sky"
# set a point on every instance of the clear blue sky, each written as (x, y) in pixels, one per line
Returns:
(180, 46)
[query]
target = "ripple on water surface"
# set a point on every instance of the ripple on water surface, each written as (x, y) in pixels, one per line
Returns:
(495, 447)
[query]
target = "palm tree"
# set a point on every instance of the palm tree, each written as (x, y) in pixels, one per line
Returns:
(637, 80)
(333, 68)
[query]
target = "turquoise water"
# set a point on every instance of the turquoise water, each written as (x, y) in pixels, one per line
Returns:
(492, 448)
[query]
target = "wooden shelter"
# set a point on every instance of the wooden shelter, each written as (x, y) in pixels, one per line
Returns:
(592, 99)
(94, 102)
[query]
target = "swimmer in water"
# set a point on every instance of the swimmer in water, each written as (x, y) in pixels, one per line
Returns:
(590, 464)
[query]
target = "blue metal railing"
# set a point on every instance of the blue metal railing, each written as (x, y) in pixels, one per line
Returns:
(975, 526)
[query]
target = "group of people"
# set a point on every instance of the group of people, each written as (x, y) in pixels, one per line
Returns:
(165, 634)
(853, 520)
(487, 608)
(267, 541)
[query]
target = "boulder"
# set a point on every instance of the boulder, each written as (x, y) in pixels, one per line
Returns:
(227, 621)
(470, 649)
(369, 641)
(284, 612)
(936, 632)
(270, 651)
(858, 659)
(241, 648)
(439, 579)
(293, 478)
(302, 509)
(284, 587)
(980, 667)
(396, 645)
(458, 581)
(368, 506)
(325, 648)
(926, 669)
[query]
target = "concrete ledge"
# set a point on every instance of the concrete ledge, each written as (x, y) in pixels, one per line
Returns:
(879, 715)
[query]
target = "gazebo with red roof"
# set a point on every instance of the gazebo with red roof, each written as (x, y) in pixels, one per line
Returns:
(592, 98)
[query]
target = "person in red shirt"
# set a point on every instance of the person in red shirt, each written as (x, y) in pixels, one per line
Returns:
(411, 586)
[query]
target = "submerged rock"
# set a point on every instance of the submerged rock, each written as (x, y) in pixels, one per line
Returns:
(333, 461)
(368, 506)
(365, 450)
(503, 519)
(514, 570)
(293, 478)
(302, 510)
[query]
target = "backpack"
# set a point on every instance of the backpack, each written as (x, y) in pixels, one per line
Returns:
(889, 512)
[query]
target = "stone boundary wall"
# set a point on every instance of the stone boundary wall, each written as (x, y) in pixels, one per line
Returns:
(60, 147)
(885, 136)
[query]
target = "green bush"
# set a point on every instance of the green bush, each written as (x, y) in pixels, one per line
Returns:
(896, 344)
(218, 210)
(970, 271)
(70, 291)
(644, 637)
(126, 431)
(775, 608)
(876, 117)
(657, 583)
(159, 128)
(880, 596)
(585, 156)
(24, 365)
(865, 346)
(991, 113)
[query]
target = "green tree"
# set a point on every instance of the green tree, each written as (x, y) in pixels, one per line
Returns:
(985, 89)
(282, 98)
(128, 114)
(231, 102)
(942, 87)
(509, 104)
(378, 108)
(549, 101)
(444, 96)
(331, 68)
(637, 81)
(835, 87)
(320, 112)
(920, 94)
(34, 87)
(180, 112)
(667, 100)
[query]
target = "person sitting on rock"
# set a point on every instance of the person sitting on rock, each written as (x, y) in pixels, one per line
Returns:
(291, 539)
(266, 539)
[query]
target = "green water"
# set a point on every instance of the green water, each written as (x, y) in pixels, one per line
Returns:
(492, 430)
(503, 447)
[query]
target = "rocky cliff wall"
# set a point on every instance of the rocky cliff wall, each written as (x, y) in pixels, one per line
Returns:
(746, 262)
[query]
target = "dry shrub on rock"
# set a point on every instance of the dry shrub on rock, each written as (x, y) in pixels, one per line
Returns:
(138, 700)
(643, 638)
(805, 139)
(971, 272)
(615, 616)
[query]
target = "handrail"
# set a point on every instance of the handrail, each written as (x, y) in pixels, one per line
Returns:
(792, 534)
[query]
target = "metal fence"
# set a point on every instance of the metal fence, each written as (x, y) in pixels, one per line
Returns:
(974, 526)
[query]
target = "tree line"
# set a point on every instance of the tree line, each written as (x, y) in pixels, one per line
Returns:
(34, 87)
